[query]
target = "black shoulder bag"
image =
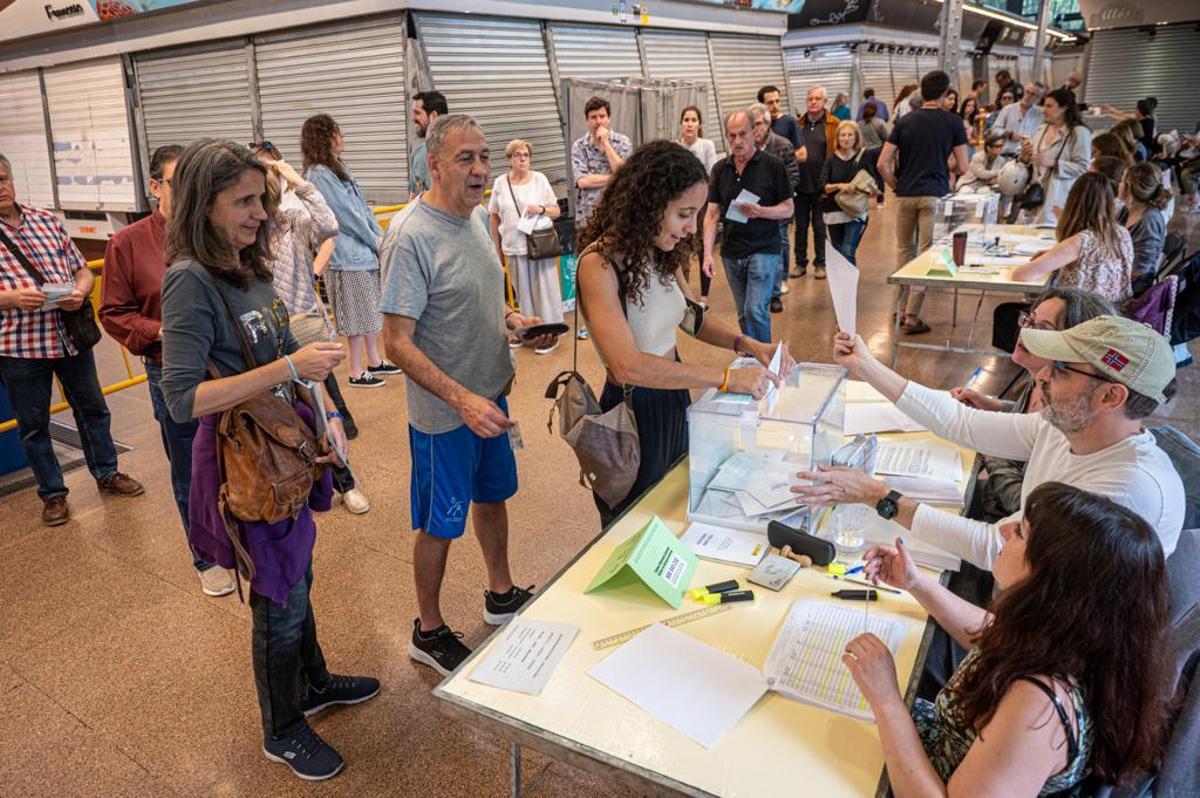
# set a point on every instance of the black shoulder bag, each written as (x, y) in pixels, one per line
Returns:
(79, 325)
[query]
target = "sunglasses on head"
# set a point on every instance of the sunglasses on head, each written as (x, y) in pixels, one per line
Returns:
(265, 146)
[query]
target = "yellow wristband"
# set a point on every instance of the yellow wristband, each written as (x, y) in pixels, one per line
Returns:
(725, 382)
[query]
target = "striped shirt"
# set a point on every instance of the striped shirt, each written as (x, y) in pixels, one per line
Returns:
(42, 239)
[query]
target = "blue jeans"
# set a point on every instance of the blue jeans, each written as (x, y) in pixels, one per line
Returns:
(750, 280)
(177, 443)
(28, 382)
(845, 237)
(785, 252)
(287, 657)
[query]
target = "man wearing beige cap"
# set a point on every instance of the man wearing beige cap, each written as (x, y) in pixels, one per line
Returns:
(1104, 377)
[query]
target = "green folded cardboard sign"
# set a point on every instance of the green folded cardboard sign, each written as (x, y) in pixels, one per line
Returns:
(655, 557)
(945, 267)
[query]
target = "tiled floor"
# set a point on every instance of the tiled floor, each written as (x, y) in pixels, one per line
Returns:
(119, 678)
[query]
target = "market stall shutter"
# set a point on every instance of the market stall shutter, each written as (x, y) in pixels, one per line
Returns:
(876, 73)
(353, 72)
(195, 93)
(497, 71)
(679, 55)
(23, 138)
(744, 64)
(904, 71)
(595, 51)
(1126, 65)
(830, 68)
(93, 147)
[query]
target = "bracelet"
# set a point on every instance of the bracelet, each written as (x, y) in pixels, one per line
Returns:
(333, 414)
(725, 382)
(737, 344)
(292, 367)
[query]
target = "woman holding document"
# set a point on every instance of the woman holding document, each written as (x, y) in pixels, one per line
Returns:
(633, 293)
(1066, 675)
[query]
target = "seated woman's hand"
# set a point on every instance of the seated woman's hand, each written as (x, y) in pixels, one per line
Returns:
(874, 671)
(891, 565)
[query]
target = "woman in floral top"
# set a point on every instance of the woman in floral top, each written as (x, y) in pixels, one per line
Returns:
(1066, 676)
(1094, 252)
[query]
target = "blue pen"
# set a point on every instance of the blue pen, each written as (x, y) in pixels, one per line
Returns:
(855, 569)
(972, 378)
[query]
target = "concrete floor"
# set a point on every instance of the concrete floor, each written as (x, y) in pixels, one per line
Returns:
(119, 678)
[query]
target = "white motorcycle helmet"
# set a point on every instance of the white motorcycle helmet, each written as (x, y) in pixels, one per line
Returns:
(1014, 176)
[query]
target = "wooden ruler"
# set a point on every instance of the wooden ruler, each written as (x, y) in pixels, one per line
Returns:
(674, 620)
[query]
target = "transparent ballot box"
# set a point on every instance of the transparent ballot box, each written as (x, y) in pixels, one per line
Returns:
(955, 210)
(743, 455)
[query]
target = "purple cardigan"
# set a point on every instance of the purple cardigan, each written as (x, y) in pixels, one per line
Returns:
(281, 551)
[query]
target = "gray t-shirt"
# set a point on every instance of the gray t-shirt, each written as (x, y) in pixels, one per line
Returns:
(442, 270)
(196, 328)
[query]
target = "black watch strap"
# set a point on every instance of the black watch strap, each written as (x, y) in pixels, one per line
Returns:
(889, 505)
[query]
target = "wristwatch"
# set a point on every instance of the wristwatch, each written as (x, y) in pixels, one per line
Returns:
(888, 506)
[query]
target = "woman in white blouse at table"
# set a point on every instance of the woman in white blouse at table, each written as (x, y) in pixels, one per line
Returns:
(524, 192)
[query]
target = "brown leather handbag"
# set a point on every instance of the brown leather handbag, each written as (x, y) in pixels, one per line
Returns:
(266, 456)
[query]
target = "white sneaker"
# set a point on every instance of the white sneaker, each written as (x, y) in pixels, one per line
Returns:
(783, 288)
(545, 350)
(355, 501)
(216, 581)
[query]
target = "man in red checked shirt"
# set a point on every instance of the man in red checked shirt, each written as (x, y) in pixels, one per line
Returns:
(34, 348)
(131, 312)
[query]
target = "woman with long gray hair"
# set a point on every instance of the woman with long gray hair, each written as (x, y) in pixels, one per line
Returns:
(226, 340)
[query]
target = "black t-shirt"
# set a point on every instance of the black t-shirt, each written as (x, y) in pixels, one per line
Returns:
(816, 148)
(765, 176)
(925, 137)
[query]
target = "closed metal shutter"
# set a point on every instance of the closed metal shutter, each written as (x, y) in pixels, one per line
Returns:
(1025, 69)
(744, 64)
(966, 75)
(596, 51)
(875, 70)
(926, 64)
(353, 72)
(195, 93)
(904, 71)
(832, 69)
(1126, 65)
(497, 71)
(23, 138)
(93, 150)
(676, 55)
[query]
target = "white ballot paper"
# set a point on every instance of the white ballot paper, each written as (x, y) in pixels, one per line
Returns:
(526, 224)
(919, 459)
(692, 687)
(54, 293)
(843, 286)
(745, 198)
(725, 545)
(524, 660)
(877, 417)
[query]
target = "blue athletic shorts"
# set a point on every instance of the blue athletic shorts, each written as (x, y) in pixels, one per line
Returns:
(453, 469)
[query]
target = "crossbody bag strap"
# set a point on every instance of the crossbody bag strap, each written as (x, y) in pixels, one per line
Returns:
(578, 301)
(513, 194)
(12, 247)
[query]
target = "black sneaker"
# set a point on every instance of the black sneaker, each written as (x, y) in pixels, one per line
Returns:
(339, 690)
(309, 757)
(384, 367)
(367, 380)
(441, 649)
(499, 608)
(776, 305)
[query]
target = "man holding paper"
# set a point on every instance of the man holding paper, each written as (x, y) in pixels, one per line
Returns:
(751, 189)
(1100, 380)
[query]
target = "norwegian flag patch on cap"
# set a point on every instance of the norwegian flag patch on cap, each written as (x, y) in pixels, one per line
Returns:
(1114, 360)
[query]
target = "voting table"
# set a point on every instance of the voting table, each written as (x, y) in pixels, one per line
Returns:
(780, 746)
(992, 275)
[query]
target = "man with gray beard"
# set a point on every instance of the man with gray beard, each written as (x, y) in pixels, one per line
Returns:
(1102, 378)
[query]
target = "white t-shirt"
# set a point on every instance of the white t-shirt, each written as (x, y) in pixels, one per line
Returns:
(536, 191)
(1134, 472)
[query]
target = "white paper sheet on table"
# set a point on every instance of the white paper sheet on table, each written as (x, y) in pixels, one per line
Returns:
(877, 417)
(843, 287)
(698, 690)
(933, 491)
(805, 662)
(525, 659)
(745, 198)
(724, 545)
(927, 459)
(994, 261)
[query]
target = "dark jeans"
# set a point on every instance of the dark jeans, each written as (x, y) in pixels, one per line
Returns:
(177, 442)
(343, 480)
(845, 238)
(785, 252)
(662, 437)
(287, 657)
(808, 209)
(27, 381)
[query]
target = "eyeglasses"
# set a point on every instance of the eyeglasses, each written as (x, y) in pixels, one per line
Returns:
(1025, 320)
(1058, 367)
(519, 156)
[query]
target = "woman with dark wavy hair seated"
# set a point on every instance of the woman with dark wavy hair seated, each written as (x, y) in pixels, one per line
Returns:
(1067, 676)
(633, 293)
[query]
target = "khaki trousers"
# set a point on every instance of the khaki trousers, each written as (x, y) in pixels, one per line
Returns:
(914, 235)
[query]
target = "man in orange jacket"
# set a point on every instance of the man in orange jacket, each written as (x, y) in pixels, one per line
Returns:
(819, 128)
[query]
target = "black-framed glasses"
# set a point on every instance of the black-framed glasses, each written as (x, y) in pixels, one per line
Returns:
(1026, 320)
(1058, 367)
